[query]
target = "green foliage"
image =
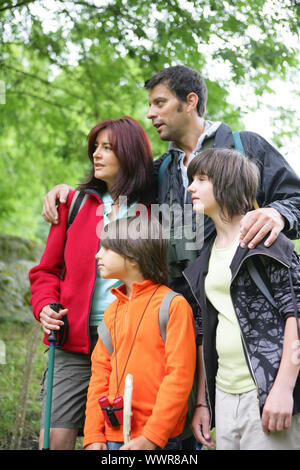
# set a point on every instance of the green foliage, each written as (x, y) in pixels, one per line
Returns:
(68, 64)
(15, 337)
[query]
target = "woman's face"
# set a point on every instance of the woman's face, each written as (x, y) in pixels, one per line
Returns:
(106, 163)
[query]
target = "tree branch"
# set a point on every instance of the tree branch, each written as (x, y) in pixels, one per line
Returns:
(42, 80)
(19, 4)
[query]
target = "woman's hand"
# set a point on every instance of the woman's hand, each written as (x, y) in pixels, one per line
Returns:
(50, 319)
(96, 446)
(200, 426)
(139, 443)
(57, 194)
(277, 411)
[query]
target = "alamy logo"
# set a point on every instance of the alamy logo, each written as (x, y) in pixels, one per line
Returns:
(178, 223)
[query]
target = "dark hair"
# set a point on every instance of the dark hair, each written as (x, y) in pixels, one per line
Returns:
(131, 145)
(140, 239)
(235, 178)
(182, 80)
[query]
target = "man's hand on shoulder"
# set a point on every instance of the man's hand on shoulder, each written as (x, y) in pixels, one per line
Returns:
(258, 223)
(57, 194)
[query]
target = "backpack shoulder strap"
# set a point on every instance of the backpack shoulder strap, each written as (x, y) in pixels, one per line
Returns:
(78, 201)
(163, 167)
(105, 336)
(260, 282)
(238, 145)
(238, 142)
(163, 316)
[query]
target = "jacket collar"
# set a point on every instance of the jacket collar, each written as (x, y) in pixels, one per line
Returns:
(281, 250)
(144, 288)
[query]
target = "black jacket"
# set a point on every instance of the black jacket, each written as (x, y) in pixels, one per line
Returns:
(279, 185)
(262, 324)
(279, 188)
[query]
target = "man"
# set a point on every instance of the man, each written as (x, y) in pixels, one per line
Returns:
(177, 103)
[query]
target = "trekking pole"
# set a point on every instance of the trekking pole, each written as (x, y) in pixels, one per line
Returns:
(52, 342)
(127, 413)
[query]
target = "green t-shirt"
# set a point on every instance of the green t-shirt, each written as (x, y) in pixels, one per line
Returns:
(233, 374)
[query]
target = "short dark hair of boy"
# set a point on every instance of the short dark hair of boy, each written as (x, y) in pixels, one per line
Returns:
(235, 179)
(182, 80)
(141, 240)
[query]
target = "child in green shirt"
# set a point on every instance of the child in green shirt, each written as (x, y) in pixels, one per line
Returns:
(250, 344)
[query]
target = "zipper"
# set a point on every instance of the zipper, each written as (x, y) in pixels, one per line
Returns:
(89, 314)
(208, 399)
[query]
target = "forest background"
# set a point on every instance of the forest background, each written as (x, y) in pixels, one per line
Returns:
(65, 65)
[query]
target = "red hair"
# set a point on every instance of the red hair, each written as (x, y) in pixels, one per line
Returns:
(131, 145)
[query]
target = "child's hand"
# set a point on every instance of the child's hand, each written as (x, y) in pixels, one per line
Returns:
(200, 426)
(277, 412)
(139, 443)
(96, 446)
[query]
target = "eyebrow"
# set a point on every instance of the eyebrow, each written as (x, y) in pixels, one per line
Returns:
(159, 98)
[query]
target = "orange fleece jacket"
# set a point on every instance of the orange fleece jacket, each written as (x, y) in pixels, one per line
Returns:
(162, 372)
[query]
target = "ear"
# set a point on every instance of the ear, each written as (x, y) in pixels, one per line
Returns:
(191, 102)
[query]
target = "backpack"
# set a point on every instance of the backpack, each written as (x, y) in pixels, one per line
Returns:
(78, 201)
(163, 318)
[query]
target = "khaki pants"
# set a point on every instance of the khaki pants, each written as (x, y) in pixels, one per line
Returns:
(238, 425)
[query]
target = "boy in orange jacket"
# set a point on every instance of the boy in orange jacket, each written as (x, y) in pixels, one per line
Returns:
(162, 370)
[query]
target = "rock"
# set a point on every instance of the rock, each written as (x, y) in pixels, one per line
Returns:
(17, 257)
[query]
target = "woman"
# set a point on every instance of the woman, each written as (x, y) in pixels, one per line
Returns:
(121, 158)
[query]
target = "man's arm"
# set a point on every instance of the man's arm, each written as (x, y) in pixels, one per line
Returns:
(57, 194)
(278, 195)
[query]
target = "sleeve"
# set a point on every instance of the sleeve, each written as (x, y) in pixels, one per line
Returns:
(279, 186)
(98, 387)
(45, 277)
(180, 349)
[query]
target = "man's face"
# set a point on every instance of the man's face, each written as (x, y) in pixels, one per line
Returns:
(167, 112)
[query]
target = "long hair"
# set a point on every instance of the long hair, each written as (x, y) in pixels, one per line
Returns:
(131, 145)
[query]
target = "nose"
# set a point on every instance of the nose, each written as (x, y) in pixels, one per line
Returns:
(151, 112)
(190, 188)
(99, 255)
(97, 152)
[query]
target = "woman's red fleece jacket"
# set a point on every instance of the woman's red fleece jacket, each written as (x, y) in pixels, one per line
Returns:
(76, 290)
